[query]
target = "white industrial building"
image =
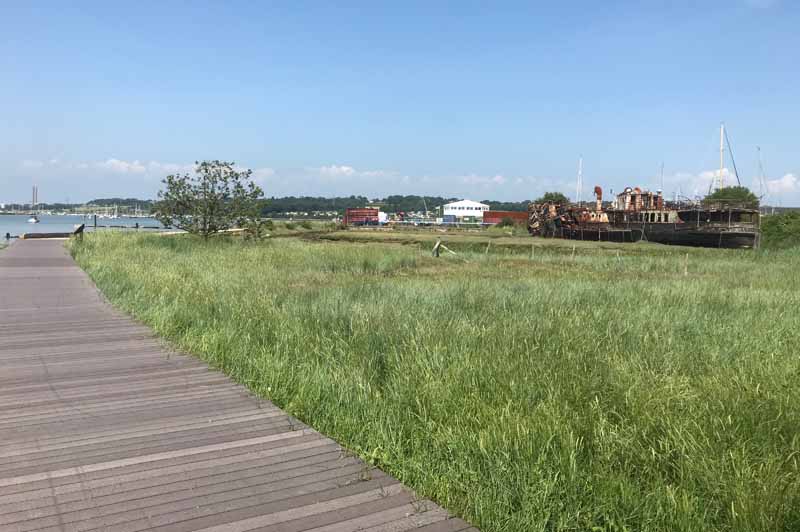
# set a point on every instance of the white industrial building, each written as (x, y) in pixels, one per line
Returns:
(464, 208)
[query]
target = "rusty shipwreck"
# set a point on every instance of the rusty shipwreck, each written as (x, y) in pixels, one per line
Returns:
(637, 214)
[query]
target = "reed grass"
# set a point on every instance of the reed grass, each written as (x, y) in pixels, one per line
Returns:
(639, 388)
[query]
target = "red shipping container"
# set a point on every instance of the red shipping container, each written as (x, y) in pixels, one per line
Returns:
(361, 217)
(495, 217)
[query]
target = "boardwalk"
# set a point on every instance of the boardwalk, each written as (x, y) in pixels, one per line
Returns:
(102, 428)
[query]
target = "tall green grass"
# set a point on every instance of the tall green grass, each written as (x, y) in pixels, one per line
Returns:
(780, 231)
(587, 390)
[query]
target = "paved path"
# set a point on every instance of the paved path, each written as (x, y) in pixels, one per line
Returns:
(102, 428)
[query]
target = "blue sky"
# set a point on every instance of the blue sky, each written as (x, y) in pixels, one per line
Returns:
(471, 99)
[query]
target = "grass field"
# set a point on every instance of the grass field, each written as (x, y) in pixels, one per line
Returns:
(603, 388)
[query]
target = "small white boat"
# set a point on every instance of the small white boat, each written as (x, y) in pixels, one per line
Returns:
(33, 219)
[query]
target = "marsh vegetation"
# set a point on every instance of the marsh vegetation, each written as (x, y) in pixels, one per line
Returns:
(545, 387)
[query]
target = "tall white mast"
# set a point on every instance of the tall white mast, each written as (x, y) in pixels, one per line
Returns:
(721, 154)
(580, 181)
(762, 185)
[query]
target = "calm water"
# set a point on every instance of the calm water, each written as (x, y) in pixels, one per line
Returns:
(18, 224)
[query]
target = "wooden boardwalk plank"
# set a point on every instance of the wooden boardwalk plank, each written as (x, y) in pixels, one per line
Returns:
(103, 428)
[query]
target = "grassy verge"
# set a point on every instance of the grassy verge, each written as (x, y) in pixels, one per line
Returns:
(594, 390)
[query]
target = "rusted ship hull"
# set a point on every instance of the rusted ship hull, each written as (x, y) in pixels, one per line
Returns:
(704, 236)
(636, 215)
(593, 234)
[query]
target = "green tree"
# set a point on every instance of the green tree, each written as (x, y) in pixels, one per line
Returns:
(553, 197)
(216, 198)
(733, 194)
(780, 231)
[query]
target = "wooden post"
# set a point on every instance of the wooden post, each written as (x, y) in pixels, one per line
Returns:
(686, 266)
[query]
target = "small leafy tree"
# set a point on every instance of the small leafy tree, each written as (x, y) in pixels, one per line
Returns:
(732, 194)
(216, 198)
(553, 197)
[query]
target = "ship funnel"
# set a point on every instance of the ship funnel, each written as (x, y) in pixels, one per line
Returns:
(598, 193)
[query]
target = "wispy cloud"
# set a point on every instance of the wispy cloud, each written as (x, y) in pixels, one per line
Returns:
(108, 166)
(335, 171)
(693, 185)
(787, 184)
(484, 181)
(122, 167)
(142, 178)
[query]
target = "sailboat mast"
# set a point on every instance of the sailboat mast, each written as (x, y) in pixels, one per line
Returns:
(580, 181)
(762, 185)
(721, 154)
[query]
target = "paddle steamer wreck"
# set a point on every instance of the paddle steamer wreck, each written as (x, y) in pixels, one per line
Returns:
(636, 215)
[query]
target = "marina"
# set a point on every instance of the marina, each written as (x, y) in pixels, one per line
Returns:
(15, 225)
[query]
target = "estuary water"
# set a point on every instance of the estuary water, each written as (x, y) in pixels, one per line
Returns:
(17, 224)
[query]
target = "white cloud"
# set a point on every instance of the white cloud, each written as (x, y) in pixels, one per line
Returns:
(692, 185)
(156, 167)
(376, 173)
(337, 171)
(344, 171)
(686, 184)
(122, 167)
(785, 184)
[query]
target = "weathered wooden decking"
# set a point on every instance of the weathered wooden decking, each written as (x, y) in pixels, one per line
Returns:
(102, 428)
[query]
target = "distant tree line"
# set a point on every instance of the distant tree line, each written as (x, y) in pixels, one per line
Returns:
(122, 202)
(277, 206)
(394, 203)
(274, 206)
